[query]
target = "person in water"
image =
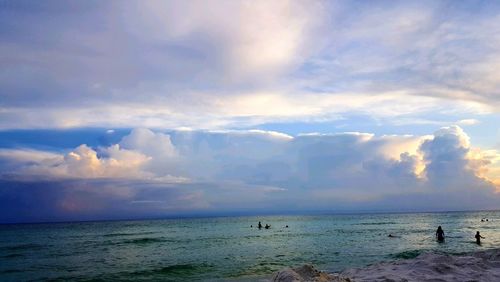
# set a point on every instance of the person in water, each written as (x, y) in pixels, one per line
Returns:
(260, 225)
(440, 234)
(267, 226)
(478, 238)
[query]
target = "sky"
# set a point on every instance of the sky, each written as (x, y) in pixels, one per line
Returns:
(134, 109)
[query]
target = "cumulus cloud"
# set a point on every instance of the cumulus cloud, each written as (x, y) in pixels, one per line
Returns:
(224, 170)
(82, 162)
(451, 163)
(140, 155)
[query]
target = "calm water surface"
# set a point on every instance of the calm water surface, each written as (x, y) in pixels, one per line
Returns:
(227, 248)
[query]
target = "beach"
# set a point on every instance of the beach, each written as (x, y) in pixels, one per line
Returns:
(474, 266)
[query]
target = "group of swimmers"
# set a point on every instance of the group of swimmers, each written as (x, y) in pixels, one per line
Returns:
(260, 226)
(440, 236)
(439, 233)
(266, 227)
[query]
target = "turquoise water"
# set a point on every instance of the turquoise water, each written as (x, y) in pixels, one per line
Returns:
(226, 248)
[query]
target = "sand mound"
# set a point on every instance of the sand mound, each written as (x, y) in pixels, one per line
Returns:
(305, 273)
(478, 266)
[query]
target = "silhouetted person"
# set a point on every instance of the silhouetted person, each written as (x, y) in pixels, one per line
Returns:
(286, 226)
(482, 219)
(267, 226)
(392, 236)
(478, 238)
(260, 225)
(251, 226)
(440, 234)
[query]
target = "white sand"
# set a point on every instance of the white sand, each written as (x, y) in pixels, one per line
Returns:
(478, 266)
(305, 273)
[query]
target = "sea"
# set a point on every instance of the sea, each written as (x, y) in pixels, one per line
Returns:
(230, 248)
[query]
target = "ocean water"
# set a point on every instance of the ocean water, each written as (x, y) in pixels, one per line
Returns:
(227, 248)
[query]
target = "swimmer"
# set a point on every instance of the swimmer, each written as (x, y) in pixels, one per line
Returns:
(440, 234)
(478, 238)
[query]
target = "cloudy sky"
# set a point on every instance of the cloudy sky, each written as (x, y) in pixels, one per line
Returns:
(130, 109)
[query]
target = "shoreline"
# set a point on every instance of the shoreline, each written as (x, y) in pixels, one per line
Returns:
(428, 266)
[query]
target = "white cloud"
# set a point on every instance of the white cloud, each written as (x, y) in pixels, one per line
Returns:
(213, 65)
(83, 162)
(467, 122)
(451, 164)
(149, 143)
(356, 167)
(249, 109)
(26, 155)
(256, 38)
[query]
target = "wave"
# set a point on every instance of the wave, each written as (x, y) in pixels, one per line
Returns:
(180, 268)
(175, 270)
(261, 268)
(126, 234)
(407, 254)
(8, 271)
(12, 256)
(21, 247)
(252, 236)
(376, 223)
(135, 241)
(145, 240)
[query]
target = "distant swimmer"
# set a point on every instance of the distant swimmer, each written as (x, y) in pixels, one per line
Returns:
(251, 226)
(478, 238)
(440, 234)
(482, 219)
(267, 226)
(260, 225)
(286, 226)
(392, 236)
